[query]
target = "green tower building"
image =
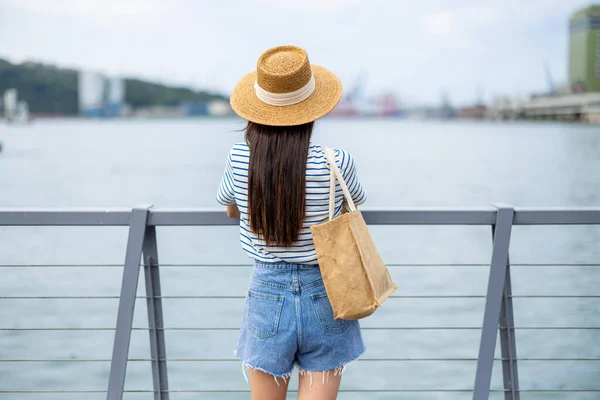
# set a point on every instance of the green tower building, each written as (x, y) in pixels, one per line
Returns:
(584, 50)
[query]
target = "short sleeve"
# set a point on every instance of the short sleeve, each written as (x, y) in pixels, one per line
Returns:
(226, 195)
(349, 173)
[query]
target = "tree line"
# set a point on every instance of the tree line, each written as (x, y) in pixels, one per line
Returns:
(48, 89)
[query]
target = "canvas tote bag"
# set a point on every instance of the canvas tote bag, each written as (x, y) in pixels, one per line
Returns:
(355, 277)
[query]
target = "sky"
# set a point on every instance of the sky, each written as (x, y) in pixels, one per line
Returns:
(415, 49)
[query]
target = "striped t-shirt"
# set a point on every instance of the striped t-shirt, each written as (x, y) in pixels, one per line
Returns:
(234, 190)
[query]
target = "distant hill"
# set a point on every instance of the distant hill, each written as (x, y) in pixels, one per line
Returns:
(52, 90)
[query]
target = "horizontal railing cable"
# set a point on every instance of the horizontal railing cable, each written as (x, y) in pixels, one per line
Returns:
(238, 297)
(400, 359)
(42, 391)
(217, 297)
(405, 265)
(367, 328)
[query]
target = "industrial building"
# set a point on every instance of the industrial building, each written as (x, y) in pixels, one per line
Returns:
(584, 50)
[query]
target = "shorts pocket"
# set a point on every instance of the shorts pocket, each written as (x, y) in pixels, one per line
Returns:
(325, 314)
(263, 313)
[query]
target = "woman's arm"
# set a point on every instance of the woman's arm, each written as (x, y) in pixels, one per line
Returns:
(233, 211)
(226, 192)
(350, 175)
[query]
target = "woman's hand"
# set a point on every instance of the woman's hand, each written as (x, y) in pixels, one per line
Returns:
(345, 208)
(233, 211)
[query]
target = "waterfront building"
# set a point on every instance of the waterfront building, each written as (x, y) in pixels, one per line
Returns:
(584, 50)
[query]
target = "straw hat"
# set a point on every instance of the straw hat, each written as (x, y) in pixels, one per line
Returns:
(285, 89)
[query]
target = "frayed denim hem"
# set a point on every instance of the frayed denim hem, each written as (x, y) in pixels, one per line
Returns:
(337, 370)
(285, 376)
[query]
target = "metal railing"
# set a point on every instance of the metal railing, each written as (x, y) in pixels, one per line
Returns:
(498, 317)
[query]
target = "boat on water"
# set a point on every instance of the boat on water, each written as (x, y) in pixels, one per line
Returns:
(15, 111)
(20, 115)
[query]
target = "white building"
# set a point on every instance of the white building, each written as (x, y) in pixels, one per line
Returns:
(100, 96)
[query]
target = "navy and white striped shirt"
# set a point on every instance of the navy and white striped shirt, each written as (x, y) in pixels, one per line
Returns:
(234, 190)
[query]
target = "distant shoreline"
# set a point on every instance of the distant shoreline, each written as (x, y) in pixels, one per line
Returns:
(76, 118)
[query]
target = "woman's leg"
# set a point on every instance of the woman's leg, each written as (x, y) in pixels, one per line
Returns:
(321, 386)
(264, 387)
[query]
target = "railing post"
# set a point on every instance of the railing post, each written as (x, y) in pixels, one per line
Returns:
(155, 316)
(493, 302)
(508, 341)
(131, 273)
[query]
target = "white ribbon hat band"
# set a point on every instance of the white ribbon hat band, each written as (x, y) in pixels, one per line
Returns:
(285, 99)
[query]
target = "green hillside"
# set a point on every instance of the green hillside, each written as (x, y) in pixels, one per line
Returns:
(52, 90)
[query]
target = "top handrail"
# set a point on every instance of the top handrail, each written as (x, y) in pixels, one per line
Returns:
(215, 217)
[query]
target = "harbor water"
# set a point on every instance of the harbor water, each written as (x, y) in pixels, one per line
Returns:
(178, 163)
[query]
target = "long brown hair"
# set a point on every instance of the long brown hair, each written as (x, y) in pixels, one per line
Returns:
(277, 181)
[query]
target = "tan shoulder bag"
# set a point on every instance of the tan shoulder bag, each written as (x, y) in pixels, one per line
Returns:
(355, 277)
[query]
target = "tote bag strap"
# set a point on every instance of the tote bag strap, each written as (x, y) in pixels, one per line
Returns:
(336, 173)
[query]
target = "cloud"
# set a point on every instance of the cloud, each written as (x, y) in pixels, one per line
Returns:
(439, 24)
(92, 8)
(313, 5)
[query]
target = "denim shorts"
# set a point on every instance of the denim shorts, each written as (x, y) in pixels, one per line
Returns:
(288, 322)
